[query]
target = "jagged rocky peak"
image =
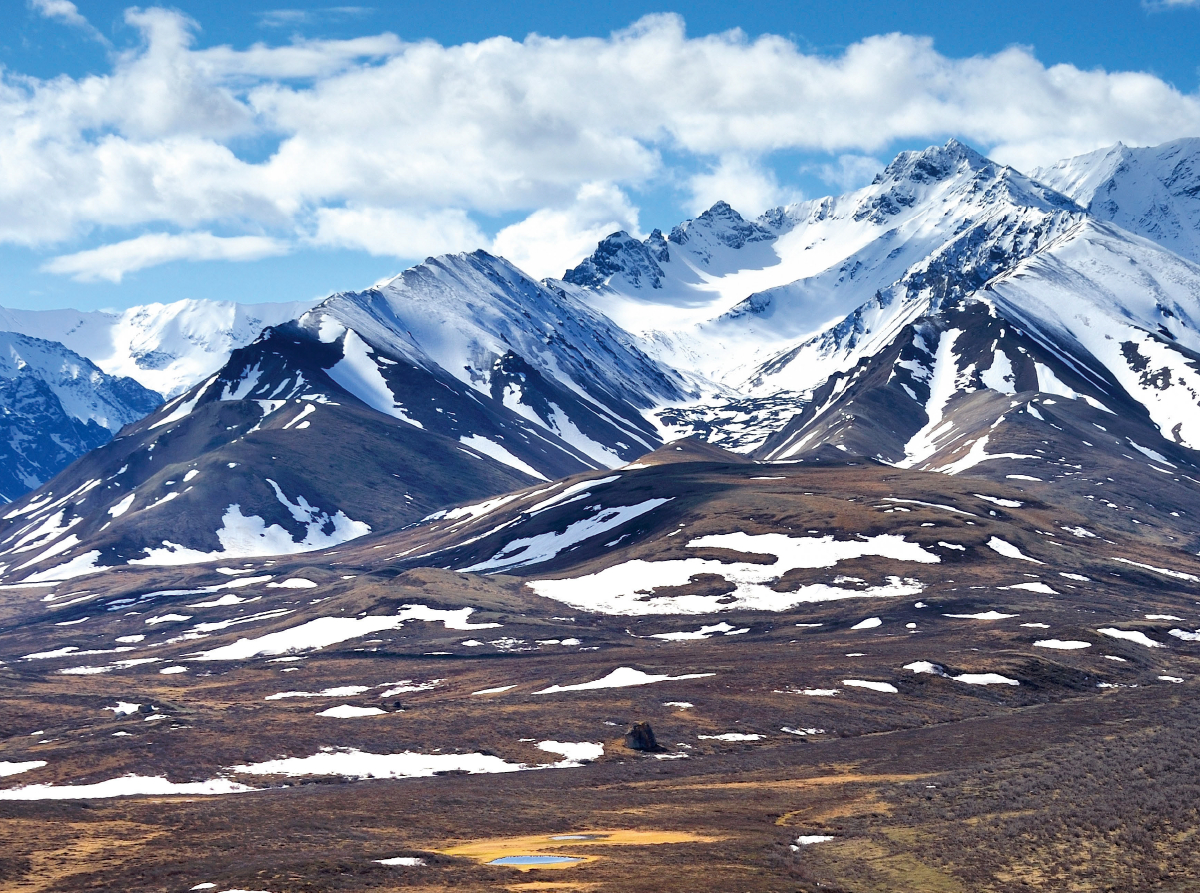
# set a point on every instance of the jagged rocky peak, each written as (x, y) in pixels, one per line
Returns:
(624, 263)
(959, 170)
(621, 253)
(720, 224)
(932, 164)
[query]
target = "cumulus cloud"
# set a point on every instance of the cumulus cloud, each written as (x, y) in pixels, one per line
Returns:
(112, 262)
(740, 181)
(68, 13)
(371, 140)
(551, 240)
(397, 233)
(850, 171)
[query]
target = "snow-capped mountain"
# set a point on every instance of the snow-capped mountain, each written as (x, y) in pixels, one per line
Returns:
(1151, 191)
(55, 406)
(459, 379)
(739, 297)
(166, 347)
(954, 316)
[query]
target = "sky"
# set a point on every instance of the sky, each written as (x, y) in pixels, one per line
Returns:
(252, 151)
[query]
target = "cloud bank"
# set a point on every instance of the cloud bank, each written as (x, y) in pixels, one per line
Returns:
(403, 148)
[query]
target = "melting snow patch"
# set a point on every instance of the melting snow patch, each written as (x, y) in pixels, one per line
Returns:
(545, 546)
(1185, 635)
(924, 666)
(622, 588)
(494, 451)
(983, 615)
(731, 736)
(222, 602)
(820, 692)
(325, 631)
(76, 567)
(1008, 550)
(1022, 477)
(1164, 617)
(167, 618)
(873, 686)
(1005, 503)
(344, 691)
(122, 507)
(407, 861)
(358, 372)
(494, 691)
(126, 786)
(952, 546)
(352, 763)
(1177, 575)
(293, 583)
(347, 711)
(1151, 454)
(1130, 636)
(11, 768)
(407, 686)
(1032, 587)
(869, 623)
(172, 671)
(1036, 625)
(243, 536)
(1169, 679)
(930, 505)
(810, 839)
(703, 632)
(621, 677)
(984, 679)
(573, 753)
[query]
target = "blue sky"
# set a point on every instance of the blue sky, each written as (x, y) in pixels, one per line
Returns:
(252, 151)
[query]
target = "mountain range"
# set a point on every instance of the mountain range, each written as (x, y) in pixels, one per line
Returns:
(955, 315)
(851, 547)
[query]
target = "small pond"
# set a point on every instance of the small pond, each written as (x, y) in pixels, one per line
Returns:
(533, 860)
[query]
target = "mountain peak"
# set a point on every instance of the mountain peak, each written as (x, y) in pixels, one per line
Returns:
(933, 164)
(1152, 191)
(621, 253)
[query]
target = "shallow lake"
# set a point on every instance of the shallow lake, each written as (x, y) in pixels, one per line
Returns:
(533, 860)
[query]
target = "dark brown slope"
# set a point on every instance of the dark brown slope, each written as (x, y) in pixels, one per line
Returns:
(924, 787)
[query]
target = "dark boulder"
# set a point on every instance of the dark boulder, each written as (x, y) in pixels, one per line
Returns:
(641, 737)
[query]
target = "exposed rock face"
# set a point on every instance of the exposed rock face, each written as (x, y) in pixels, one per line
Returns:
(641, 737)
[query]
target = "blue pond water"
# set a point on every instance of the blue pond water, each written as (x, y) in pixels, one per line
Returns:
(532, 860)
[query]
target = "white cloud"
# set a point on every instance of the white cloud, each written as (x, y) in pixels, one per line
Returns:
(1169, 4)
(551, 240)
(850, 171)
(289, 18)
(741, 182)
(66, 12)
(112, 262)
(397, 233)
(376, 138)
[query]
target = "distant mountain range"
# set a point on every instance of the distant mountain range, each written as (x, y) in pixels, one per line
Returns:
(955, 315)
